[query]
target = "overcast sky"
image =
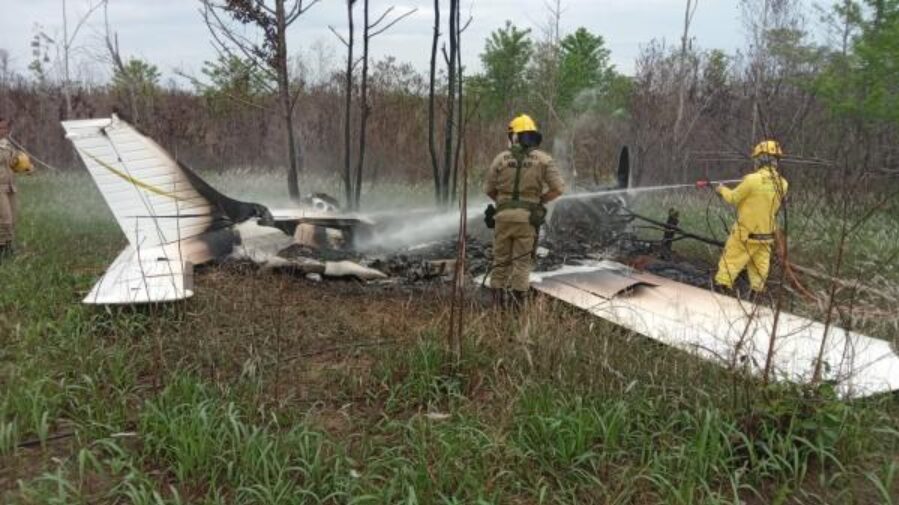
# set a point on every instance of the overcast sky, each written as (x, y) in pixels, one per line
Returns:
(171, 34)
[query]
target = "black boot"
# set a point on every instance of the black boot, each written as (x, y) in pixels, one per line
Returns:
(5, 251)
(518, 299)
(758, 297)
(722, 289)
(498, 298)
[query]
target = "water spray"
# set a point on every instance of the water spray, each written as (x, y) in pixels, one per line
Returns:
(702, 183)
(409, 227)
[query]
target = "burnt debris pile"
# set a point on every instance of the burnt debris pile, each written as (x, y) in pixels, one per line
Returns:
(588, 225)
(434, 261)
(579, 230)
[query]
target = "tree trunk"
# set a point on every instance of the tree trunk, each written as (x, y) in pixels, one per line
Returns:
(67, 83)
(758, 69)
(293, 185)
(460, 121)
(432, 142)
(347, 113)
(363, 107)
(450, 104)
(682, 88)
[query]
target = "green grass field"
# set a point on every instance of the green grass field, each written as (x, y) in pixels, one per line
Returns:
(268, 389)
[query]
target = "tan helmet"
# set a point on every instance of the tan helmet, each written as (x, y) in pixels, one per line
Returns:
(768, 147)
(522, 123)
(21, 163)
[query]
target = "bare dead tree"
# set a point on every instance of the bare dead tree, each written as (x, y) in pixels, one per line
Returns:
(363, 106)
(546, 62)
(457, 305)
(369, 31)
(269, 55)
(462, 119)
(689, 12)
(432, 79)
(68, 41)
(128, 81)
(442, 174)
(457, 310)
(115, 58)
(353, 178)
(451, 96)
(349, 42)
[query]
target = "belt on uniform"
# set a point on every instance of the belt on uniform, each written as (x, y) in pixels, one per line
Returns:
(518, 204)
(761, 236)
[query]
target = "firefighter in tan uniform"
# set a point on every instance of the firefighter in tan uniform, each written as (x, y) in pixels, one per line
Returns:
(521, 180)
(11, 161)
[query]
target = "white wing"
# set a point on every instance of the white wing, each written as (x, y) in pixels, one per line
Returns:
(724, 330)
(145, 275)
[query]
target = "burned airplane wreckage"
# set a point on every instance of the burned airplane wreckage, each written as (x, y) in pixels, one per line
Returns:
(173, 220)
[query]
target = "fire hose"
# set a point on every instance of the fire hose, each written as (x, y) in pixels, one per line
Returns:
(780, 247)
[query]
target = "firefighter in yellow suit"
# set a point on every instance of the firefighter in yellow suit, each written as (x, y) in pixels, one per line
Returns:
(11, 161)
(521, 180)
(757, 199)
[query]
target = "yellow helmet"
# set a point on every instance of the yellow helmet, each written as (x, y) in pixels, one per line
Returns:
(769, 147)
(522, 123)
(21, 163)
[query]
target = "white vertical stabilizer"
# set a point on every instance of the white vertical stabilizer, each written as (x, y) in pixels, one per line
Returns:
(157, 207)
(150, 196)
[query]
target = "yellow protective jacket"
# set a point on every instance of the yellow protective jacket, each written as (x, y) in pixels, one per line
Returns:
(757, 199)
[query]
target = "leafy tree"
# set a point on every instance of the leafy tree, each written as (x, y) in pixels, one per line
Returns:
(584, 65)
(505, 59)
(863, 82)
(617, 96)
(792, 53)
(234, 78)
(543, 79)
(137, 77)
(715, 73)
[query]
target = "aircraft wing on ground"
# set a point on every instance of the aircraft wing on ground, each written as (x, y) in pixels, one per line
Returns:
(288, 219)
(727, 331)
(307, 215)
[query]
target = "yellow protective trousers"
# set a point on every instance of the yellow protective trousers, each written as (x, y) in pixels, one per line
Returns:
(513, 243)
(753, 255)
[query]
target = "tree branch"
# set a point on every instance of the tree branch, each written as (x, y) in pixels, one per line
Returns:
(339, 36)
(465, 26)
(262, 5)
(298, 11)
(218, 29)
(381, 18)
(196, 82)
(254, 65)
(83, 20)
(389, 25)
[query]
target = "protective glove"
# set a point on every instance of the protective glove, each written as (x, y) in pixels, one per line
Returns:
(489, 214)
